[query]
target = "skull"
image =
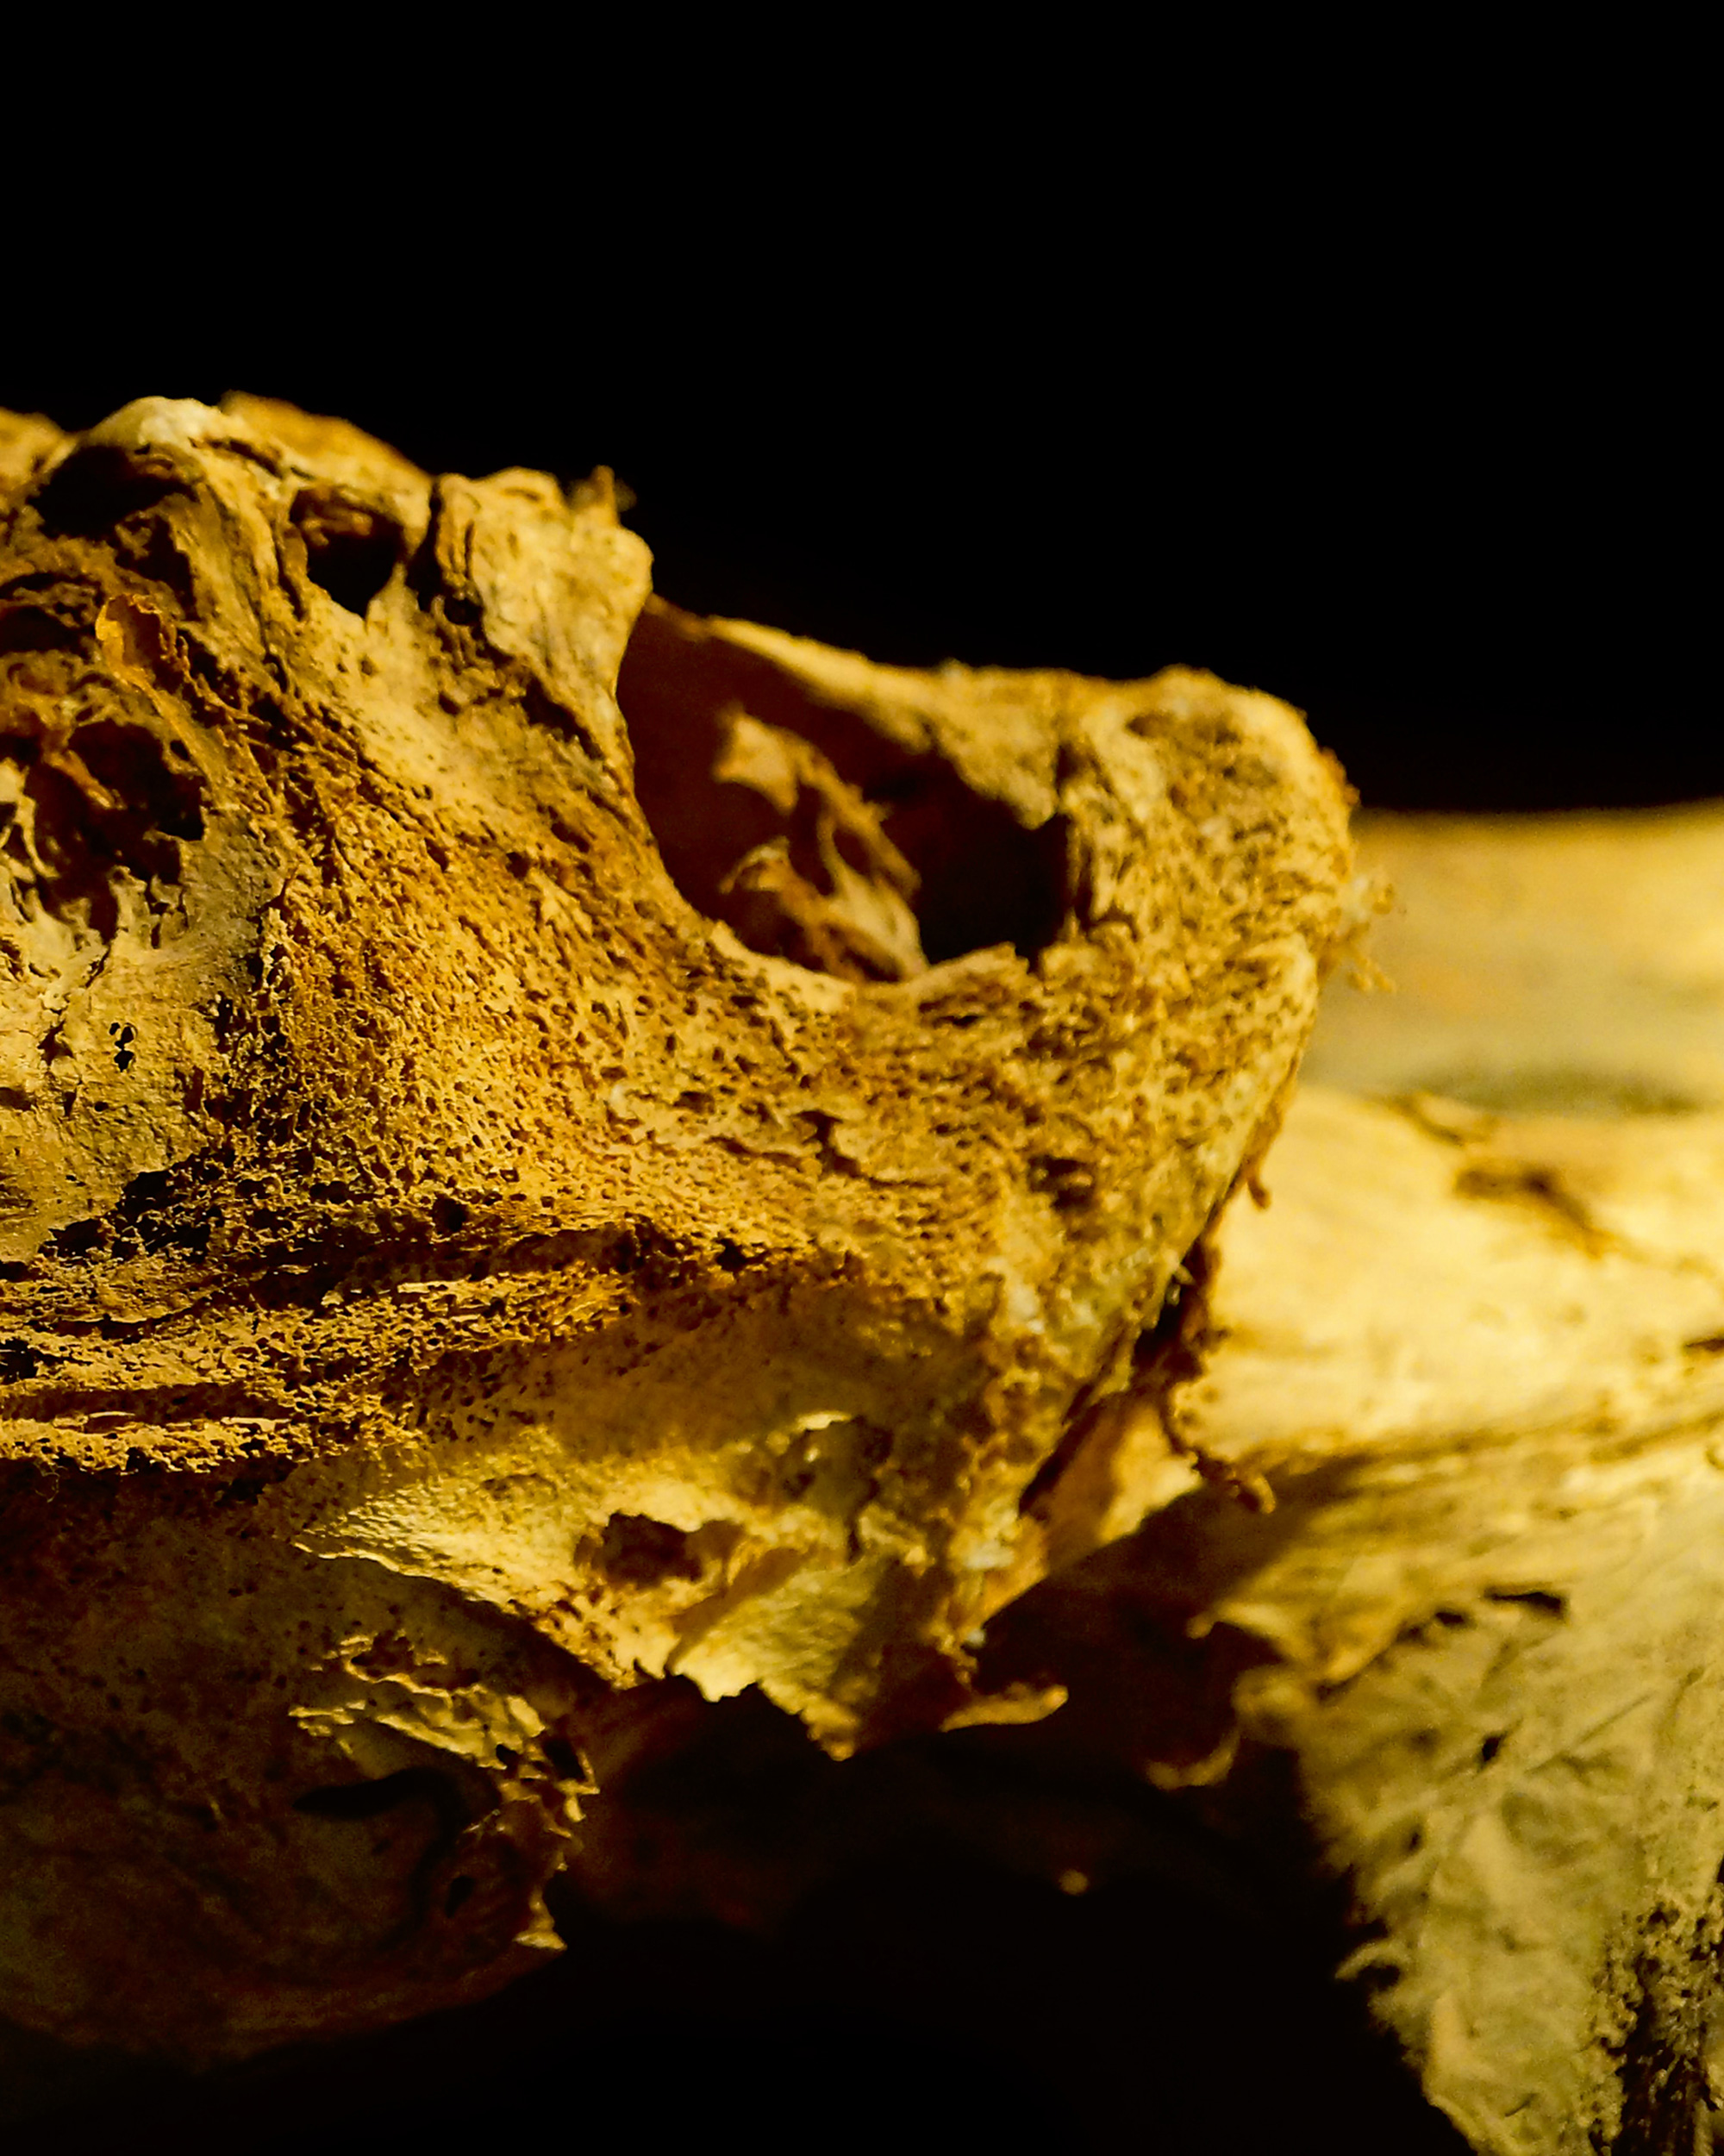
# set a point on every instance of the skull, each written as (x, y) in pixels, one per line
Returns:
(545, 1144)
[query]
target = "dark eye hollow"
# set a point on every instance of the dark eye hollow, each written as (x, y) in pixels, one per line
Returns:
(982, 879)
(350, 546)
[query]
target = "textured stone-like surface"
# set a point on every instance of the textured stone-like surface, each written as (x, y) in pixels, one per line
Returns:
(499, 1200)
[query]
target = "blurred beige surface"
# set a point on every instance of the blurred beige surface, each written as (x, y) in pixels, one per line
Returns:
(1568, 965)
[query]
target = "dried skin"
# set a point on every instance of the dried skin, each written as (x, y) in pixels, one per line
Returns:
(1487, 1598)
(499, 1200)
(1478, 1358)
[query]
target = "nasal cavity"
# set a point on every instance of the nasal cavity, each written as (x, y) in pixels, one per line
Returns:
(808, 830)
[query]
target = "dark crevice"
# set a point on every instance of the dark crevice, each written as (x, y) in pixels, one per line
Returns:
(351, 547)
(367, 1800)
(557, 718)
(770, 827)
(1664, 2083)
(21, 1360)
(1537, 1599)
(436, 574)
(99, 484)
(1087, 1417)
(45, 610)
(1166, 1355)
(637, 1552)
(101, 799)
(159, 1406)
(166, 1211)
(78, 1239)
(347, 1802)
(33, 628)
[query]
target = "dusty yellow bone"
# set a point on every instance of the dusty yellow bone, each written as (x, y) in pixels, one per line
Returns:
(449, 1270)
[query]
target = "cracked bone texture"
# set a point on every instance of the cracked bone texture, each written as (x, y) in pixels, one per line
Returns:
(543, 1143)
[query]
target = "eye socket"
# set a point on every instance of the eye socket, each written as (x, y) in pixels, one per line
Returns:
(351, 547)
(99, 485)
(808, 830)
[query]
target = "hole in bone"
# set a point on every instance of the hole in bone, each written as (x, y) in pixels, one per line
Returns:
(811, 832)
(637, 1552)
(24, 628)
(104, 800)
(128, 766)
(99, 484)
(350, 546)
(85, 793)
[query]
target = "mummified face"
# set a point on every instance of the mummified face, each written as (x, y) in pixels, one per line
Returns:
(657, 1131)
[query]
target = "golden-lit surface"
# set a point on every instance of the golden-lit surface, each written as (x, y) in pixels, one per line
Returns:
(545, 1145)
(1478, 1358)
(1566, 964)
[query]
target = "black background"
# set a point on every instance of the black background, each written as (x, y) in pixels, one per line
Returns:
(1434, 474)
